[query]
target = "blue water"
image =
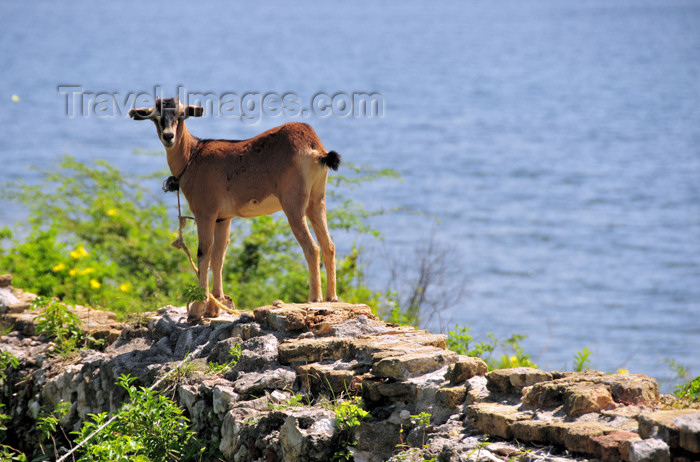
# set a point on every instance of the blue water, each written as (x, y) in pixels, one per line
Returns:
(554, 145)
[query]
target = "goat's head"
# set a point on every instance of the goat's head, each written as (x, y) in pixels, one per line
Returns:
(167, 115)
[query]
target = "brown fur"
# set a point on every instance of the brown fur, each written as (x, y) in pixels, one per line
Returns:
(280, 169)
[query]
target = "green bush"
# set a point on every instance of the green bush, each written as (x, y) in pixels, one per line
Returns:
(98, 237)
(689, 390)
(582, 360)
(348, 415)
(95, 238)
(7, 452)
(56, 321)
(150, 428)
(512, 354)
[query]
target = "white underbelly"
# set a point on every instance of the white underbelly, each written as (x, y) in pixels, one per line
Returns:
(255, 208)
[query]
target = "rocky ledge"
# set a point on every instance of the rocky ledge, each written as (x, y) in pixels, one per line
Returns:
(331, 351)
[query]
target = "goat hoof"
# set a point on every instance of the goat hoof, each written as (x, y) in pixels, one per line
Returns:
(332, 299)
(227, 301)
(211, 309)
(194, 311)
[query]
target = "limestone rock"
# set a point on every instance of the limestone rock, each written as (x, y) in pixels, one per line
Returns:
(201, 415)
(246, 330)
(495, 419)
(679, 428)
(377, 392)
(287, 318)
(465, 368)
(100, 324)
(7, 299)
(188, 396)
(512, 380)
(313, 350)
(247, 435)
(632, 388)
(582, 398)
(649, 450)
(13, 300)
(257, 382)
(378, 439)
(192, 341)
(327, 320)
(230, 431)
(689, 426)
(611, 447)
(412, 365)
(477, 390)
(222, 397)
(258, 353)
(557, 432)
(329, 377)
(21, 322)
(292, 440)
(530, 430)
(580, 437)
(355, 327)
(319, 318)
(221, 353)
(5, 280)
(306, 435)
(525, 376)
(451, 397)
(585, 391)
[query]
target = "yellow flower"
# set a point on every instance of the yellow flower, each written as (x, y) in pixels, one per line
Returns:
(623, 371)
(79, 252)
(112, 212)
(59, 267)
(86, 271)
(125, 287)
(95, 284)
(73, 271)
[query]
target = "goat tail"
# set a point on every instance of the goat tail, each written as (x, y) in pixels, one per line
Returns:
(331, 160)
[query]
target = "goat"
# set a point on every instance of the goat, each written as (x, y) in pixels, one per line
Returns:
(285, 168)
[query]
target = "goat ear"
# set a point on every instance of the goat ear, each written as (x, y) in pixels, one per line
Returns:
(141, 113)
(194, 111)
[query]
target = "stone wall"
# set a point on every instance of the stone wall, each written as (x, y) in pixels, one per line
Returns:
(330, 351)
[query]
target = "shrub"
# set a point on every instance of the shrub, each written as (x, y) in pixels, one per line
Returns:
(150, 428)
(348, 415)
(689, 390)
(95, 237)
(99, 237)
(582, 360)
(58, 322)
(460, 341)
(7, 452)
